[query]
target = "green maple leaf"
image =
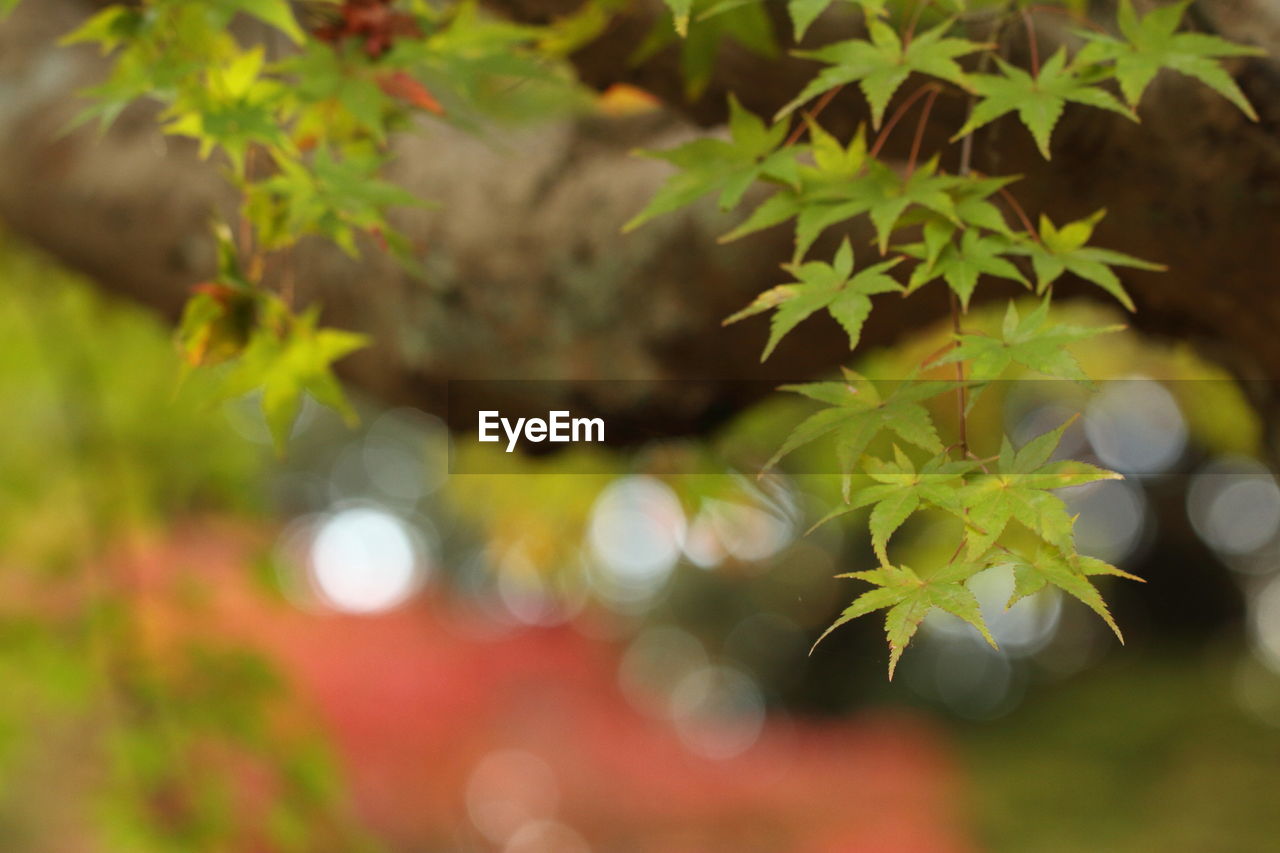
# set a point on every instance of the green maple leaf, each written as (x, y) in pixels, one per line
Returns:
(277, 13)
(881, 63)
(324, 79)
(832, 160)
(924, 188)
(702, 26)
(883, 195)
(960, 264)
(970, 208)
(974, 210)
(847, 184)
(833, 164)
(1038, 101)
(910, 598)
(844, 183)
(976, 254)
(804, 12)
(723, 6)
(237, 107)
(857, 413)
(108, 28)
(1063, 249)
(680, 10)
(730, 167)
(845, 295)
(778, 208)
(1069, 573)
(287, 357)
(1031, 342)
(1151, 43)
(337, 198)
(901, 490)
(1021, 489)
(827, 192)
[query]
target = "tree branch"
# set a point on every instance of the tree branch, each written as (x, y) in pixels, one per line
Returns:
(528, 275)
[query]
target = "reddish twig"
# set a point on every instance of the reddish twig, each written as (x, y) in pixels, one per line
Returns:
(915, 19)
(817, 111)
(897, 116)
(1031, 43)
(1022, 214)
(920, 126)
(962, 403)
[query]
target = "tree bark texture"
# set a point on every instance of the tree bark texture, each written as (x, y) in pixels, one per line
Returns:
(529, 277)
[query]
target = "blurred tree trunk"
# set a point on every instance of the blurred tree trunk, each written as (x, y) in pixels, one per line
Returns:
(529, 277)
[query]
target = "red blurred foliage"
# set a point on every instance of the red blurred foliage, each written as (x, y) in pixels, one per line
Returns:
(400, 85)
(220, 293)
(372, 21)
(414, 699)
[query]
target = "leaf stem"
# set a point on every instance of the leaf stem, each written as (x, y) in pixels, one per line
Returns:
(982, 463)
(813, 115)
(897, 116)
(920, 126)
(962, 403)
(1022, 214)
(961, 395)
(921, 5)
(1031, 43)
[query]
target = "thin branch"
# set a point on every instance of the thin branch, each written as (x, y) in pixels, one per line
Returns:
(897, 116)
(966, 148)
(966, 144)
(915, 19)
(962, 403)
(1032, 45)
(1022, 214)
(982, 463)
(929, 359)
(920, 126)
(817, 111)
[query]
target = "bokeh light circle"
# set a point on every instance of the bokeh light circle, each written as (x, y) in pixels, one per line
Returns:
(365, 560)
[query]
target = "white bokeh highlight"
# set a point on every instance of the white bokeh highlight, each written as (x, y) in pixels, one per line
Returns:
(365, 560)
(508, 790)
(1135, 426)
(1234, 506)
(718, 711)
(635, 535)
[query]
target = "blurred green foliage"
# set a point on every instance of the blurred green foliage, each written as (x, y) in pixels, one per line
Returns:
(101, 439)
(98, 434)
(103, 745)
(1148, 753)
